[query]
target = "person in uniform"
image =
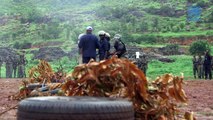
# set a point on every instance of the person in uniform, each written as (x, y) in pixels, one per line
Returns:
(195, 64)
(15, 65)
(103, 50)
(200, 67)
(9, 67)
(107, 37)
(120, 48)
(21, 66)
(142, 63)
(207, 65)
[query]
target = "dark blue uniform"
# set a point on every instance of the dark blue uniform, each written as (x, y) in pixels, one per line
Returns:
(104, 47)
(88, 43)
(108, 51)
(207, 67)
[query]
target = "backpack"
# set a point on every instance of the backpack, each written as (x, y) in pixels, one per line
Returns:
(121, 47)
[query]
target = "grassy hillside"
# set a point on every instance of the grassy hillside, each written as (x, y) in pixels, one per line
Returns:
(39, 22)
(62, 20)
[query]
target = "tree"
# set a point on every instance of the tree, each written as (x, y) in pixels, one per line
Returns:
(199, 47)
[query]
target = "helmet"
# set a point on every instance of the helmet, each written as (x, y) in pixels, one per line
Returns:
(118, 36)
(107, 35)
(101, 32)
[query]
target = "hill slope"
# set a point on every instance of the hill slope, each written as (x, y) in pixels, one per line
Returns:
(35, 21)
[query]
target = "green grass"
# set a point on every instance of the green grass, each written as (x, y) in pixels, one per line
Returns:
(183, 34)
(151, 45)
(3, 71)
(67, 64)
(182, 64)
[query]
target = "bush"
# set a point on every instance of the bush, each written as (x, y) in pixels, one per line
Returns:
(26, 45)
(173, 47)
(202, 4)
(199, 47)
(209, 33)
(22, 45)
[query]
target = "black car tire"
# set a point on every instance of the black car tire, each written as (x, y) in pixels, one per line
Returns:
(75, 108)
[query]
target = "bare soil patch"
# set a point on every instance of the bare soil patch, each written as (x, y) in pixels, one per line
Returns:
(199, 92)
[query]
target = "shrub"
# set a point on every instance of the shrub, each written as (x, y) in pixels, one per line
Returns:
(199, 47)
(22, 45)
(209, 33)
(202, 3)
(173, 46)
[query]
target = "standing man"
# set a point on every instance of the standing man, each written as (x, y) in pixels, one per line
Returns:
(207, 65)
(15, 65)
(200, 67)
(88, 45)
(119, 46)
(9, 67)
(195, 64)
(142, 62)
(103, 50)
(79, 52)
(21, 66)
(107, 37)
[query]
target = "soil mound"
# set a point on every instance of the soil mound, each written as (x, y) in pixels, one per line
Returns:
(49, 53)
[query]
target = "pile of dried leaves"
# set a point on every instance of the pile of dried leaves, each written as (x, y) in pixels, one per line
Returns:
(44, 81)
(121, 78)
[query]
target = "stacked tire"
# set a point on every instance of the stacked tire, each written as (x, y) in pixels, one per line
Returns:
(75, 108)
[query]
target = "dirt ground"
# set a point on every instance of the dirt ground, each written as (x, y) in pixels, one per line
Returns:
(199, 92)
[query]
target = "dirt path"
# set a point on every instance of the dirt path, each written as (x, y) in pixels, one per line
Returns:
(8, 87)
(199, 92)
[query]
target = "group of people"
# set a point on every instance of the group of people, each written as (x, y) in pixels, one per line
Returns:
(202, 66)
(88, 44)
(15, 66)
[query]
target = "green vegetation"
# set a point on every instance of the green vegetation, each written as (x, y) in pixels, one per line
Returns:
(199, 48)
(182, 64)
(145, 23)
(64, 20)
(65, 63)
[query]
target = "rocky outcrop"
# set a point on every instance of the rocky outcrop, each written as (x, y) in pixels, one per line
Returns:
(7, 53)
(49, 53)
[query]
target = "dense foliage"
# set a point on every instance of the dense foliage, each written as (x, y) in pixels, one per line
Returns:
(199, 47)
(34, 21)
